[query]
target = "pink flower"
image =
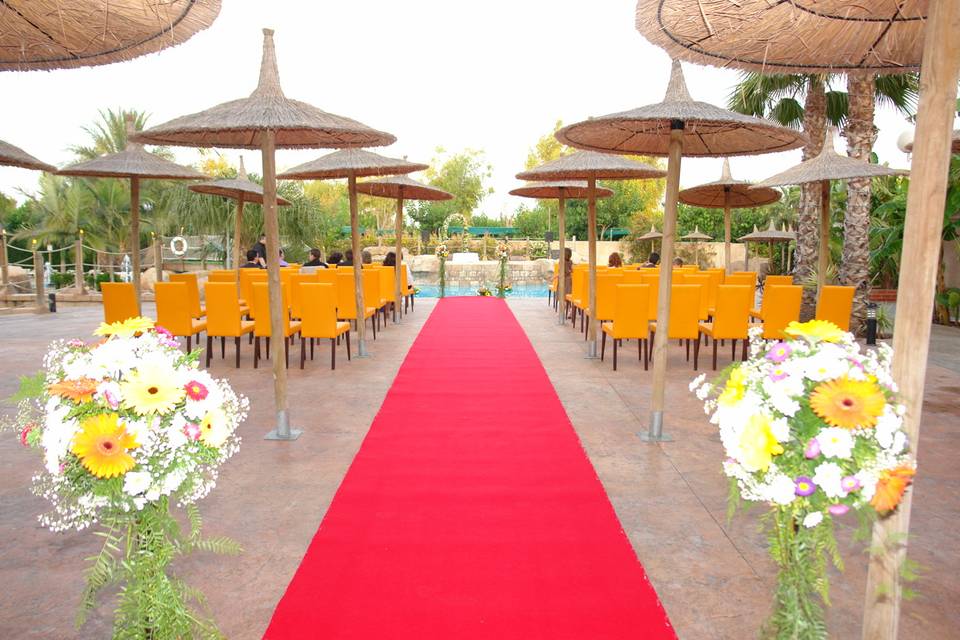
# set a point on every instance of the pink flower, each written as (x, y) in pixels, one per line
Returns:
(192, 430)
(838, 509)
(76, 344)
(849, 483)
(812, 450)
(777, 374)
(169, 339)
(779, 352)
(30, 426)
(196, 390)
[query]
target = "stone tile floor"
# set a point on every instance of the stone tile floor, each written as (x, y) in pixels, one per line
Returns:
(714, 578)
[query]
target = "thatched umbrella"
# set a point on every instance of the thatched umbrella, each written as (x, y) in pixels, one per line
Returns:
(12, 156)
(826, 166)
(698, 237)
(592, 167)
(727, 193)
(352, 164)
(561, 191)
(676, 127)
(268, 120)
(954, 143)
(825, 46)
(135, 163)
(401, 188)
(51, 34)
(771, 235)
(243, 190)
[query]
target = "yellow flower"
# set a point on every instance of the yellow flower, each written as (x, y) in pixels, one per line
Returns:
(126, 329)
(734, 389)
(757, 444)
(820, 330)
(102, 444)
(151, 389)
(848, 403)
(214, 428)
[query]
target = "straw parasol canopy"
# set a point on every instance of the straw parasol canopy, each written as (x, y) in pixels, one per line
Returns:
(52, 34)
(800, 36)
(592, 166)
(826, 166)
(12, 156)
(134, 163)
(675, 127)
(400, 188)
(727, 193)
(243, 190)
(954, 143)
(266, 120)
(653, 234)
(771, 235)
(696, 235)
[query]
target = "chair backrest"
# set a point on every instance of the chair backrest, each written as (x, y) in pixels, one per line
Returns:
(223, 309)
(684, 311)
(606, 294)
(631, 316)
(296, 293)
(173, 307)
(705, 281)
(318, 309)
(835, 304)
(742, 279)
(691, 267)
(371, 288)
(773, 280)
(193, 291)
(247, 278)
(781, 306)
(346, 295)
(751, 274)
(261, 301)
(222, 275)
(580, 285)
(326, 276)
(719, 271)
(632, 277)
(119, 301)
(652, 280)
(733, 311)
(404, 285)
(388, 289)
(678, 276)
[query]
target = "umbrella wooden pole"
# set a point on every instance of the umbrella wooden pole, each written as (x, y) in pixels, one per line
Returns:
(660, 340)
(157, 259)
(918, 273)
(592, 252)
(726, 230)
(823, 259)
(357, 266)
(277, 310)
(237, 247)
(135, 236)
(398, 263)
(562, 259)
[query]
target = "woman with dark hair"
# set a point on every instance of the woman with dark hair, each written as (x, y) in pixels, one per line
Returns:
(390, 260)
(335, 258)
(614, 260)
(347, 259)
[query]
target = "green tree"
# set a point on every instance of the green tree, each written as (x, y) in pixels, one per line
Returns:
(462, 174)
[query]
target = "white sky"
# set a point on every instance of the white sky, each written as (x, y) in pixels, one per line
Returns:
(494, 75)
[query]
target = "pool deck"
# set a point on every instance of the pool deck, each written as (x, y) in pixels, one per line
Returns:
(713, 577)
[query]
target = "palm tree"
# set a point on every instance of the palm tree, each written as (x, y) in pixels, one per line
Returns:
(778, 97)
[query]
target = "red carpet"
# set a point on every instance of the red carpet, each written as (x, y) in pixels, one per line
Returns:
(471, 510)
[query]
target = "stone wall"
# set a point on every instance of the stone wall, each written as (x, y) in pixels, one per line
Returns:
(426, 270)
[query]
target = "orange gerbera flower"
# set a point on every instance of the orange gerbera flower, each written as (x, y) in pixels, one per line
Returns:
(890, 488)
(102, 444)
(80, 390)
(848, 403)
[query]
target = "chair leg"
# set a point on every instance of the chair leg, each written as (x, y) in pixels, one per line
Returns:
(286, 351)
(646, 353)
(209, 349)
(223, 347)
(268, 347)
(688, 348)
(696, 354)
(743, 351)
(373, 323)
(733, 350)
(615, 354)
(603, 344)
(188, 343)
(312, 342)
(303, 350)
(348, 346)
(714, 354)
(236, 348)
(333, 354)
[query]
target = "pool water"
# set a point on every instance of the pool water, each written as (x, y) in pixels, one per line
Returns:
(519, 291)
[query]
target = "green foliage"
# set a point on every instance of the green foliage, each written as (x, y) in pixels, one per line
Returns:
(30, 387)
(462, 174)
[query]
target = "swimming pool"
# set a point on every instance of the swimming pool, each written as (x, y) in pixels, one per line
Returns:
(519, 291)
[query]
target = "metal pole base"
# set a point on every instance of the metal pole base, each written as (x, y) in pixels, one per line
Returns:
(283, 430)
(655, 434)
(362, 348)
(592, 350)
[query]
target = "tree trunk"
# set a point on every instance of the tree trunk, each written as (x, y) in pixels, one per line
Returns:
(808, 219)
(861, 134)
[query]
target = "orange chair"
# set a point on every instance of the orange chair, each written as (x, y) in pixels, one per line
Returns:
(119, 301)
(222, 275)
(347, 300)
(319, 309)
(223, 317)
(408, 292)
(247, 278)
(193, 292)
(652, 280)
(781, 306)
(606, 294)
(296, 295)
(684, 323)
(630, 321)
(761, 312)
(731, 318)
(173, 311)
(372, 297)
(835, 304)
(632, 276)
(388, 290)
(326, 276)
(774, 280)
(552, 288)
(576, 299)
(262, 327)
(705, 282)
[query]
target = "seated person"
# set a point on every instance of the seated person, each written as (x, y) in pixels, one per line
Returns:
(335, 258)
(283, 262)
(614, 260)
(315, 260)
(678, 261)
(253, 260)
(653, 261)
(347, 259)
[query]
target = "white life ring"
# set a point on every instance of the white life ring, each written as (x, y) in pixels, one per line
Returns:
(179, 246)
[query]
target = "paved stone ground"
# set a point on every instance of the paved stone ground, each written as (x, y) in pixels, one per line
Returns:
(714, 578)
